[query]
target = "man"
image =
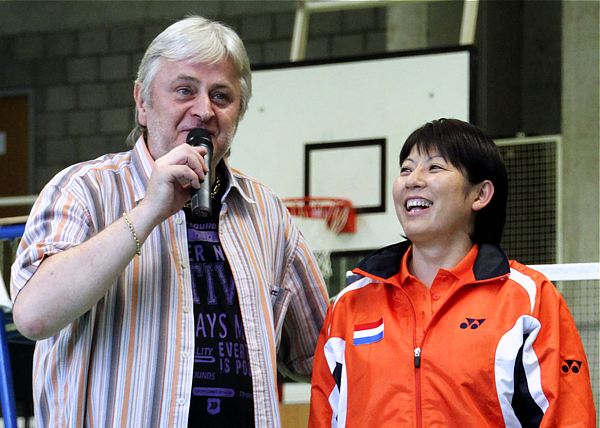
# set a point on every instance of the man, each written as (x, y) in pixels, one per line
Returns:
(145, 315)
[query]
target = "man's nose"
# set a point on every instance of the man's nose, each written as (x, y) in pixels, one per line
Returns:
(203, 108)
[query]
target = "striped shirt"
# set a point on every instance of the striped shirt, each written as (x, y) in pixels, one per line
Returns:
(128, 361)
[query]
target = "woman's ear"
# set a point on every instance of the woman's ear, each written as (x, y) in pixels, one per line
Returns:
(485, 191)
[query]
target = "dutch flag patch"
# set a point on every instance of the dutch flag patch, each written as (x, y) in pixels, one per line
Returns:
(367, 333)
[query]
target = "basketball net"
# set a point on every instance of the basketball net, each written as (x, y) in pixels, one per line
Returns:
(321, 220)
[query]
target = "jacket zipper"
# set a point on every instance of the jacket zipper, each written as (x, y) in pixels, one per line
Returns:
(417, 365)
(417, 357)
(417, 362)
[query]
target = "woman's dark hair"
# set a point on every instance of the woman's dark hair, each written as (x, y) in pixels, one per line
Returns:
(466, 147)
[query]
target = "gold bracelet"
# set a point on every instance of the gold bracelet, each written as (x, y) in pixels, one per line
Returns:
(138, 245)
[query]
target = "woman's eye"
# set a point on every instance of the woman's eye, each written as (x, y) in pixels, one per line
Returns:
(404, 170)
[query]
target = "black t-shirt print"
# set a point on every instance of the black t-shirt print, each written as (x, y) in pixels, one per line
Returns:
(222, 394)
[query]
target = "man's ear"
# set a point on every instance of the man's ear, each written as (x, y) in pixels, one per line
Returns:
(140, 105)
(485, 191)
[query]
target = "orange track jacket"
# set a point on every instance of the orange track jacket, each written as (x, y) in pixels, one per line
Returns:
(501, 349)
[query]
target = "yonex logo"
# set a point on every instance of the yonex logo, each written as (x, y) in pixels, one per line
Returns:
(472, 323)
(572, 366)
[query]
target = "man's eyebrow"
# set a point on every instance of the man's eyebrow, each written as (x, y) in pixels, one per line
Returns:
(186, 78)
(192, 79)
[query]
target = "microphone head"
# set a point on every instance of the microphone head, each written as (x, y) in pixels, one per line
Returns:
(198, 136)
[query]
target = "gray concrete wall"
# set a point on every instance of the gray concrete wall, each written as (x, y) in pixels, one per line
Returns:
(79, 59)
(580, 129)
(51, 15)
(519, 68)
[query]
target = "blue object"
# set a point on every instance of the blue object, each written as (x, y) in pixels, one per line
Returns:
(7, 397)
(11, 231)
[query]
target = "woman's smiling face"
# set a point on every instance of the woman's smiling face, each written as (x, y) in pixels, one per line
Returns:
(433, 199)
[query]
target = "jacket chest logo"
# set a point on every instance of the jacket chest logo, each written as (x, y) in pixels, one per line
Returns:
(367, 333)
(573, 366)
(472, 323)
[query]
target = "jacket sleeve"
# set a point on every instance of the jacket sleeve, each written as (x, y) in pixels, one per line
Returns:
(324, 387)
(565, 373)
(305, 288)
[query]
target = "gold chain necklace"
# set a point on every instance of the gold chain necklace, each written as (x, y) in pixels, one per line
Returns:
(213, 193)
(216, 187)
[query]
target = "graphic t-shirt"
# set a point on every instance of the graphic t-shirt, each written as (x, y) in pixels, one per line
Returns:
(222, 385)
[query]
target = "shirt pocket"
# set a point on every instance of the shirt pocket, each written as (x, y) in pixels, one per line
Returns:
(280, 299)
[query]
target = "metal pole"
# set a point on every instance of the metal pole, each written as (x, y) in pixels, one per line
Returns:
(300, 33)
(7, 396)
(469, 22)
(333, 5)
(305, 8)
(9, 201)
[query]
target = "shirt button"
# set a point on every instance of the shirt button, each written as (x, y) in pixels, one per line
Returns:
(185, 355)
(436, 297)
(180, 401)
(178, 220)
(186, 309)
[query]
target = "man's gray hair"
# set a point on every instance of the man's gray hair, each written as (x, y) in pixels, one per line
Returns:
(199, 40)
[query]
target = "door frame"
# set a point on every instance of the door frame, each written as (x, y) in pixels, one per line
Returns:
(29, 94)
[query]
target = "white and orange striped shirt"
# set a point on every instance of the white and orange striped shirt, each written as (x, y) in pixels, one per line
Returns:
(128, 361)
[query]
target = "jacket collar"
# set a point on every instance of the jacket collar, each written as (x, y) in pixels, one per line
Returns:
(491, 262)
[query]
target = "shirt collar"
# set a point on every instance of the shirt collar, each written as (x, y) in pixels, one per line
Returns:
(234, 182)
(463, 270)
(404, 274)
(143, 163)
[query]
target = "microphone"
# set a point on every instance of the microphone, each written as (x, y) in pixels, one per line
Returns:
(201, 202)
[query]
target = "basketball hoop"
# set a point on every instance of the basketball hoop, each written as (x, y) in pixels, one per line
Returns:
(321, 220)
(337, 212)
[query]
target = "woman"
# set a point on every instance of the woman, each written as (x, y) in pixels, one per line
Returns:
(442, 329)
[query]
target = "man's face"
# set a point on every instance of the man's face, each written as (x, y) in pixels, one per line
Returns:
(184, 96)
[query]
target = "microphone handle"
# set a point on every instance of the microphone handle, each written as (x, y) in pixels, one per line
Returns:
(201, 202)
